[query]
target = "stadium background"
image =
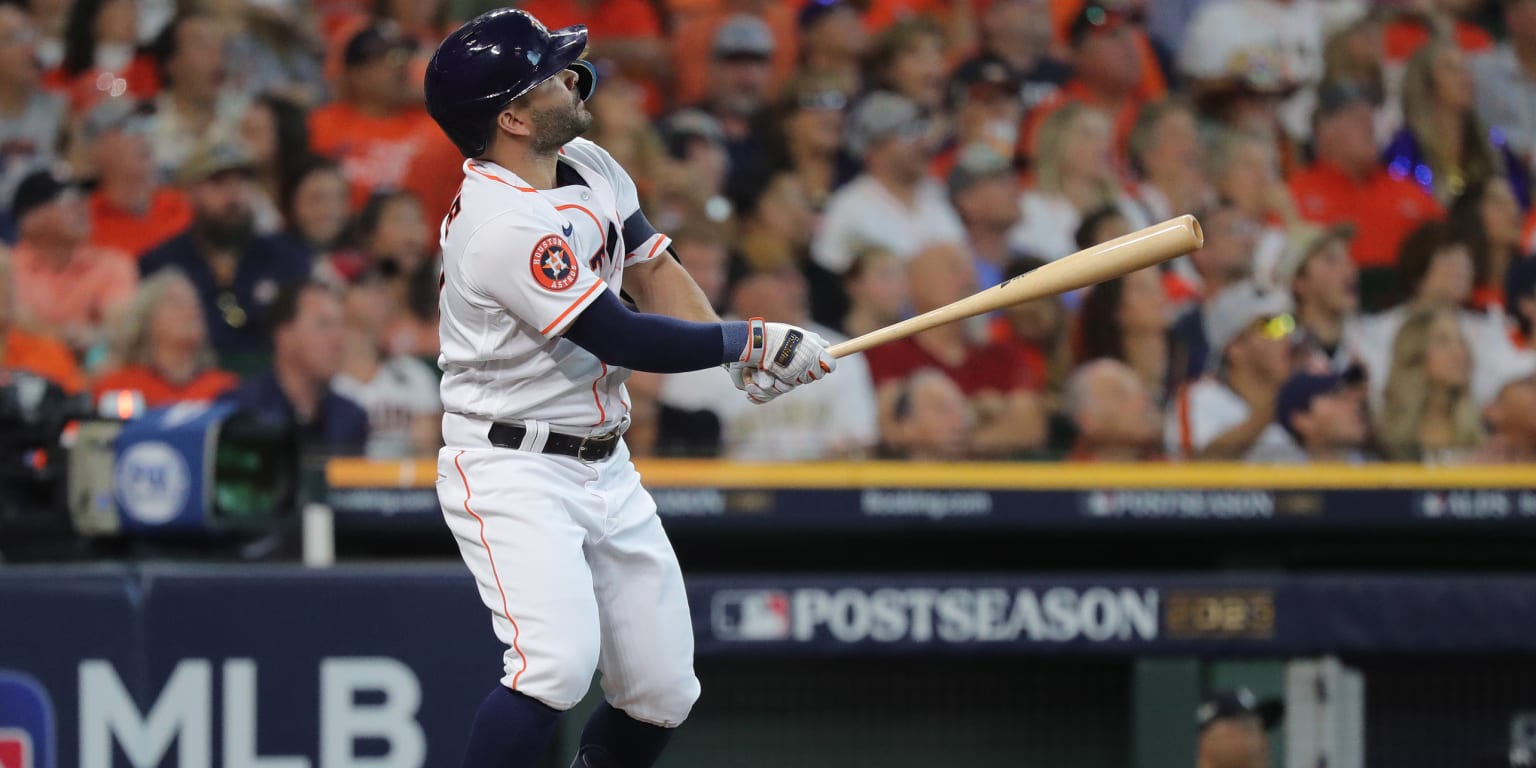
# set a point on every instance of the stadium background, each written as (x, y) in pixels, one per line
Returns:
(1001, 587)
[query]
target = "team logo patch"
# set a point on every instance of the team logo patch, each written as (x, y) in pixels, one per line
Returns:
(553, 265)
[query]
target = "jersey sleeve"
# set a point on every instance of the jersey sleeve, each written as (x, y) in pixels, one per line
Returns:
(523, 265)
(641, 240)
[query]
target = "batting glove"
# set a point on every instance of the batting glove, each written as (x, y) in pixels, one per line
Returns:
(793, 355)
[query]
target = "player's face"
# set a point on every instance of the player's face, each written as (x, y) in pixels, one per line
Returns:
(557, 112)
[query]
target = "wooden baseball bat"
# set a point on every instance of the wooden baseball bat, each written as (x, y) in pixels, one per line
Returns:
(1122, 255)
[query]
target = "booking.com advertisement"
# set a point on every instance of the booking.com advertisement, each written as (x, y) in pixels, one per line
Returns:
(282, 667)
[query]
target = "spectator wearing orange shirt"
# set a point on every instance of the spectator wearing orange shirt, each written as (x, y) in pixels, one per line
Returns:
(130, 210)
(378, 127)
(34, 353)
(100, 56)
(161, 347)
(1347, 173)
(64, 286)
(1107, 76)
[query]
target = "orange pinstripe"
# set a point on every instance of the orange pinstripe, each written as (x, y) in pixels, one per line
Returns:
(602, 415)
(494, 574)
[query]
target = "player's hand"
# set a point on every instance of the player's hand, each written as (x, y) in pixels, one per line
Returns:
(792, 355)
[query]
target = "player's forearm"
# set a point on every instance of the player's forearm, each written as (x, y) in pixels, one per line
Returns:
(662, 287)
(643, 341)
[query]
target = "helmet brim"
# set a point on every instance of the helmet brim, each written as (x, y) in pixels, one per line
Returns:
(565, 46)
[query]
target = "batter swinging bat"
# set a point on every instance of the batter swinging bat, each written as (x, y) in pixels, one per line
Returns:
(1122, 255)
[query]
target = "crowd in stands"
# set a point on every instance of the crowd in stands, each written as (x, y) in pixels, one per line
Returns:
(239, 199)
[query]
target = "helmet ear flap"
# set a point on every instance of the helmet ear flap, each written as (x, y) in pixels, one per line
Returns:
(586, 78)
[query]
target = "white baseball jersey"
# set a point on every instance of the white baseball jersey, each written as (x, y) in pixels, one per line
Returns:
(520, 264)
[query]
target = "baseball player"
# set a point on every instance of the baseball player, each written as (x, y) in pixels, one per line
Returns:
(535, 481)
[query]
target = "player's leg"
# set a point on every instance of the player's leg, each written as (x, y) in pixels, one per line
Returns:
(511, 515)
(647, 633)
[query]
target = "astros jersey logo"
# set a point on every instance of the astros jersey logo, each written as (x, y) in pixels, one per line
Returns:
(552, 264)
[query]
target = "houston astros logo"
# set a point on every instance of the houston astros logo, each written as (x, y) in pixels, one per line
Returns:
(552, 264)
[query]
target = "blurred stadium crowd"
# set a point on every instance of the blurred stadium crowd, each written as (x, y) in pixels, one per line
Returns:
(239, 198)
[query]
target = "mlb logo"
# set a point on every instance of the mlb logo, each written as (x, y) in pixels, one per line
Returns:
(26, 723)
(750, 615)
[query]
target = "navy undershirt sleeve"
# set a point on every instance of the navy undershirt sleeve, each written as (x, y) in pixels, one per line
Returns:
(639, 341)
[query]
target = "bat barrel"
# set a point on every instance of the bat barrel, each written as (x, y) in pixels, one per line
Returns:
(1125, 254)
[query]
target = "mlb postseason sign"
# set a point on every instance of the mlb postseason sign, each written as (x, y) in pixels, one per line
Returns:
(1217, 614)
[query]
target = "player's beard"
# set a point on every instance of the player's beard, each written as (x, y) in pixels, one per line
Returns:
(554, 128)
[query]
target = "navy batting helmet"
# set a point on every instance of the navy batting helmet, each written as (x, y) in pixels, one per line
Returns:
(491, 60)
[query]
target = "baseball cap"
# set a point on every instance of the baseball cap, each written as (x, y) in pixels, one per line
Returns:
(743, 36)
(119, 114)
(1336, 96)
(984, 72)
(1304, 240)
(976, 163)
(1235, 703)
(880, 115)
(1095, 18)
(1238, 307)
(373, 42)
(1298, 392)
(36, 190)
(1255, 69)
(212, 160)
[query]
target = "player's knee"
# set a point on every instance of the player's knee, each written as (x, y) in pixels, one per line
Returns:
(664, 701)
(558, 682)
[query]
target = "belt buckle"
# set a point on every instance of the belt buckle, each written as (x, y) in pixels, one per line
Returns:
(597, 442)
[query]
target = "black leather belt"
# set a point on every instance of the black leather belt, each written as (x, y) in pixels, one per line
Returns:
(594, 448)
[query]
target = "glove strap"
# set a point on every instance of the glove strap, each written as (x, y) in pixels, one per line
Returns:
(757, 342)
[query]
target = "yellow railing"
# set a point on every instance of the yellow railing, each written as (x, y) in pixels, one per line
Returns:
(691, 473)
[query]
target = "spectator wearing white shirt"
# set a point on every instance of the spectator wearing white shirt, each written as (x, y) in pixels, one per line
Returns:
(837, 422)
(399, 392)
(894, 204)
(1436, 271)
(1074, 175)
(1506, 80)
(1225, 415)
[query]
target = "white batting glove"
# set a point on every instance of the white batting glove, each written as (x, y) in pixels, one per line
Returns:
(793, 355)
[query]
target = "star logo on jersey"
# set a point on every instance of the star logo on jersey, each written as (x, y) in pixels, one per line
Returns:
(553, 265)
